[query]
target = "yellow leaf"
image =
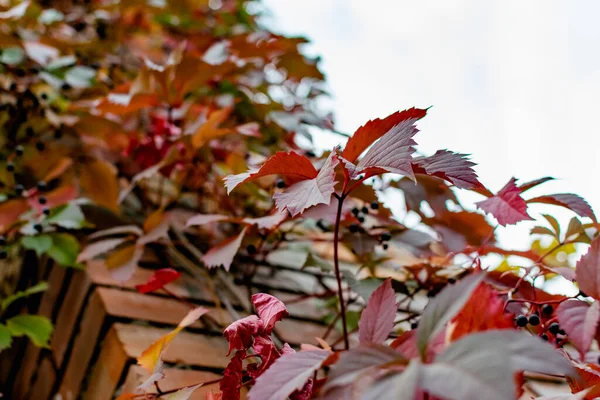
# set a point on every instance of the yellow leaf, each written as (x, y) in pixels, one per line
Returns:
(153, 220)
(99, 181)
(152, 354)
(120, 257)
(210, 129)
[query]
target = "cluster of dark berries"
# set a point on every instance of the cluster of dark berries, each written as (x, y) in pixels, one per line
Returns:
(535, 320)
(3, 253)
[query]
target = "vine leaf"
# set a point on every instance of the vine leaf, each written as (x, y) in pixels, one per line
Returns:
(377, 319)
(507, 206)
(158, 280)
(224, 252)
(579, 319)
(453, 167)
(567, 200)
(587, 272)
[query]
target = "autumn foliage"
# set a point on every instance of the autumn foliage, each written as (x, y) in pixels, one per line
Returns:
(185, 126)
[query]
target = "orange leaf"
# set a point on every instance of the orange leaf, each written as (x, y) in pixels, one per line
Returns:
(98, 179)
(10, 211)
(374, 129)
(120, 257)
(153, 220)
(63, 164)
(210, 129)
(61, 195)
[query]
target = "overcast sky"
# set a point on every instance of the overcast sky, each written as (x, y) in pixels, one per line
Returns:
(514, 83)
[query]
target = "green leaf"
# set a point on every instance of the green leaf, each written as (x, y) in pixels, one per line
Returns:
(443, 307)
(5, 337)
(40, 287)
(40, 243)
(68, 216)
(36, 327)
(80, 77)
(12, 56)
(64, 250)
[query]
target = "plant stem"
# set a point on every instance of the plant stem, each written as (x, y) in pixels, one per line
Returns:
(338, 275)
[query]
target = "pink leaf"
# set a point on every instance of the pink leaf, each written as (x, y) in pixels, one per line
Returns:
(307, 193)
(287, 374)
(531, 184)
(392, 153)
(567, 200)
(126, 270)
(267, 222)
(377, 319)
(203, 219)
(223, 253)
(579, 320)
(367, 134)
(95, 249)
(508, 207)
(159, 279)
(269, 309)
(240, 333)
(231, 383)
(289, 164)
(266, 350)
(250, 129)
(453, 167)
(587, 271)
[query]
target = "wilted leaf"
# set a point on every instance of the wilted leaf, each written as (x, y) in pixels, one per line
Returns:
(567, 200)
(507, 206)
(587, 271)
(185, 393)
(309, 192)
(240, 333)
(36, 327)
(529, 185)
(158, 279)
(96, 249)
(287, 164)
(38, 288)
(10, 211)
(443, 307)
(269, 309)
(98, 179)
(224, 252)
(579, 319)
(377, 319)
(122, 262)
(287, 374)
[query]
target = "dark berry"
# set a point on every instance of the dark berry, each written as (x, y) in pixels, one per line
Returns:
(19, 189)
(42, 200)
(251, 249)
(65, 86)
(3, 255)
(42, 186)
(414, 325)
(280, 183)
(2, 241)
(385, 246)
(38, 227)
(19, 150)
(544, 337)
(40, 146)
(547, 309)
(321, 225)
(20, 73)
(365, 210)
(30, 132)
(431, 293)
(12, 87)
(58, 134)
(386, 236)
(562, 332)
(46, 211)
(10, 167)
(521, 321)
(44, 96)
(374, 205)
(451, 281)
(353, 228)
(310, 153)
(361, 219)
(101, 31)
(95, 65)
(534, 320)
(355, 211)
(79, 26)
(554, 328)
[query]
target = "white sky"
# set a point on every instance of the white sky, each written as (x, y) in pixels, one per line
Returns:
(514, 83)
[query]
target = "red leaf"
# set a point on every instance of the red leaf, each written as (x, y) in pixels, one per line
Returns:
(453, 167)
(223, 253)
(287, 374)
(311, 192)
(579, 320)
(377, 319)
(10, 211)
(282, 163)
(231, 383)
(159, 279)
(508, 207)
(265, 348)
(531, 184)
(269, 309)
(483, 311)
(367, 134)
(587, 271)
(567, 200)
(392, 153)
(240, 333)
